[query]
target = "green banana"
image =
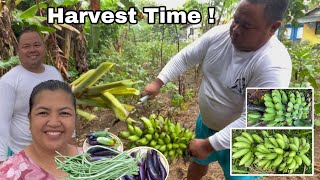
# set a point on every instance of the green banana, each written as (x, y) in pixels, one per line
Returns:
(245, 158)
(305, 159)
(271, 156)
(241, 145)
(284, 97)
(293, 147)
(277, 161)
(281, 143)
(240, 153)
(274, 142)
(242, 139)
(278, 150)
(248, 136)
(257, 138)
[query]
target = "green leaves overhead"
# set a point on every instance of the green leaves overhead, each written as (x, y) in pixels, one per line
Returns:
(66, 2)
(31, 12)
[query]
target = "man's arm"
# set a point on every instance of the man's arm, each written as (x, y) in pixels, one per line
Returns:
(7, 96)
(188, 57)
(221, 139)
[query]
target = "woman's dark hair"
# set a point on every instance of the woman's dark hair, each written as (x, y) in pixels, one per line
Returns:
(51, 85)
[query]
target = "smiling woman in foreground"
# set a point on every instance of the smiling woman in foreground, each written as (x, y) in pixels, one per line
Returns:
(52, 117)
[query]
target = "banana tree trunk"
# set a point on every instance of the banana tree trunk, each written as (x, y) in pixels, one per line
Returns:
(80, 51)
(94, 28)
(8, 41)
(67, 44)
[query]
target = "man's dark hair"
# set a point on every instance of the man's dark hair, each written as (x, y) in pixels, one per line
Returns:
(27, 30)
(51, 85)
(274, 9)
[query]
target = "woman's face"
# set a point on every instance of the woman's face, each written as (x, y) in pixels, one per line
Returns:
(52, 119)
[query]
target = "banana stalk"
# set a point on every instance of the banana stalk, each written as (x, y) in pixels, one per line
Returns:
(93, 78)
(123, 91)
(82, 77)
(85, 114)
(119, 110)
(96, 90)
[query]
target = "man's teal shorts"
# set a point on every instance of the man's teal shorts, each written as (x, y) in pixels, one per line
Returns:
(223, 156)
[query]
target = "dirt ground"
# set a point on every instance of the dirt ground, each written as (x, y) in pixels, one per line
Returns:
(178, 168)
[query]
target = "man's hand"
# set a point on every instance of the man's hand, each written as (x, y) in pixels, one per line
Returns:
(200, 148)
(153, 88)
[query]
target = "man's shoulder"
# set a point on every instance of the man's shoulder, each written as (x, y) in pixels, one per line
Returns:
(52, 72)
(49, 67)
(219, 30)
(221, 27)
(275, 49)
(275, 54)
(12, 73)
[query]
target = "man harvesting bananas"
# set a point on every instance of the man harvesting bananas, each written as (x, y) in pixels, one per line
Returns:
(245, 53)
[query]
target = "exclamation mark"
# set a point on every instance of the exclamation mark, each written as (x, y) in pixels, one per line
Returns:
(211, 12)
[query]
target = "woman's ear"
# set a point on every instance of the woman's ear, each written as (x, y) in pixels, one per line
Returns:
(29, 117)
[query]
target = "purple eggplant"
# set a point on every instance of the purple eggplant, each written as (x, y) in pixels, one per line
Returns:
(105, 153)
(142, 169)
(130, 177)
(90, 134)
(163, 171)
(93, 142)
(126, 177)
(97, 158)
(158, 164)
(95, 149)
(150, 167)
(148, 176)
(123, 178)
(156, 160)
(99, 151)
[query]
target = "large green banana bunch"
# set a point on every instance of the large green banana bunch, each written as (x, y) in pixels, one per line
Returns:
(275, 152)
(160, 133)
(283, 107)
(104, 94)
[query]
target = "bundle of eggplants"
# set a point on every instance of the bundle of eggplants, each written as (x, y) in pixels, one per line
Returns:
(150, 168)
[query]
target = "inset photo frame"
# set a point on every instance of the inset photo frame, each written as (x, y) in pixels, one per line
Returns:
(274, 107)
(272, 152)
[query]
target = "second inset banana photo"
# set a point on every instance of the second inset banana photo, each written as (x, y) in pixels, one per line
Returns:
(272, 152)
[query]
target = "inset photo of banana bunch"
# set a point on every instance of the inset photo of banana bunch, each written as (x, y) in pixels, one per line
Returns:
(280, 107)
(272, 152)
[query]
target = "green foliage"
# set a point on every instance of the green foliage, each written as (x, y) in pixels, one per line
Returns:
(177, 100)
(305, 68)
(14, 60)
(305, 64)
(65, 2)
(296, 10)
(29, 18)
(317, 108)
(192, 5)
(25, 14)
